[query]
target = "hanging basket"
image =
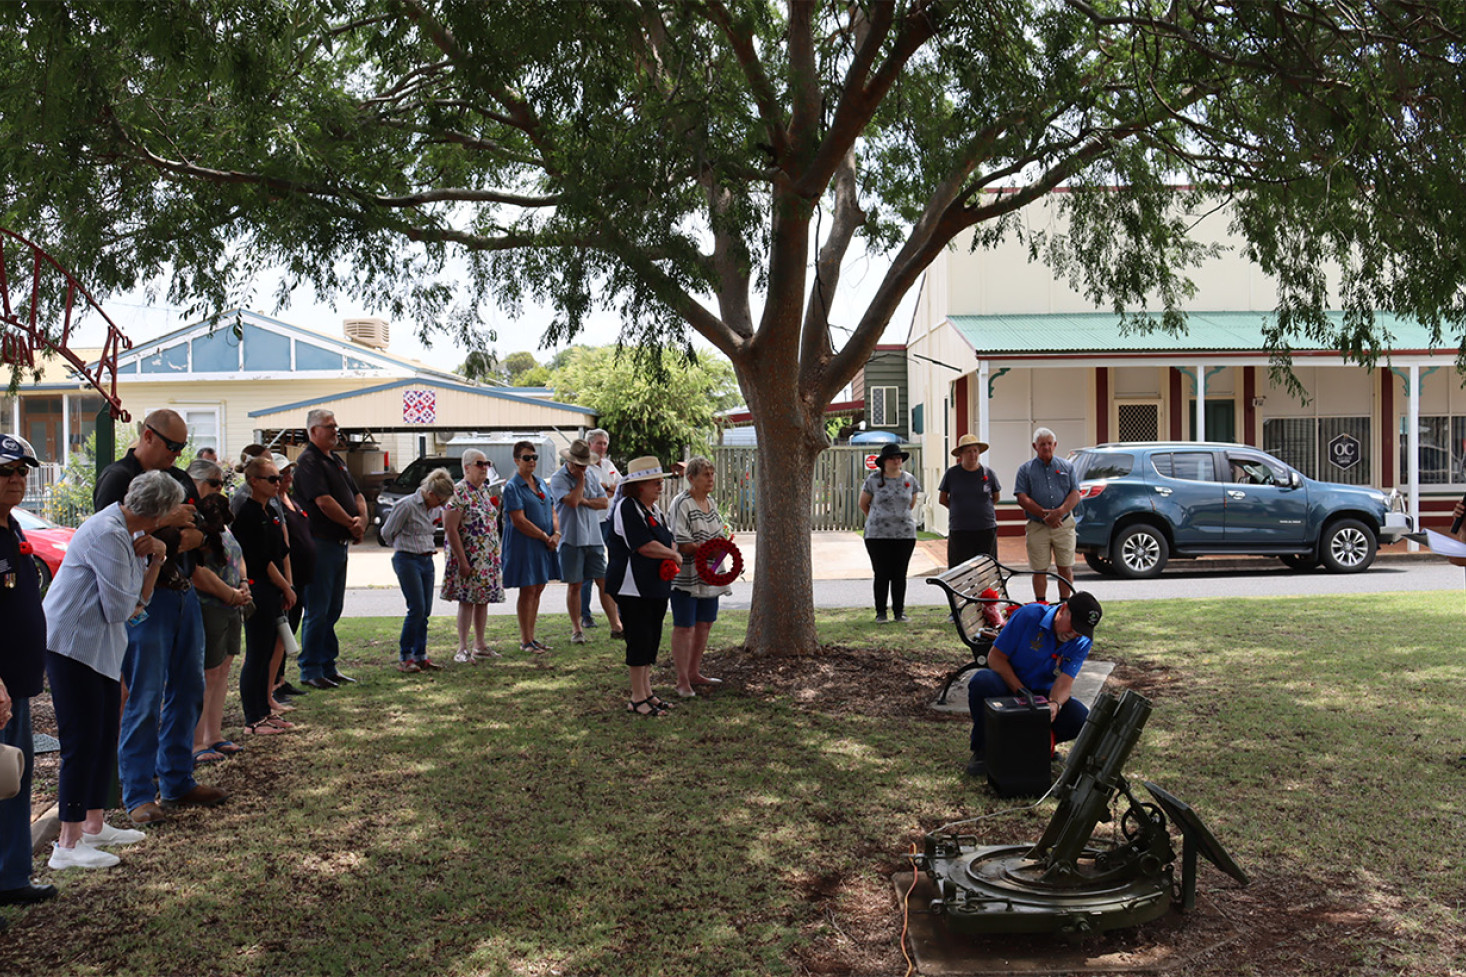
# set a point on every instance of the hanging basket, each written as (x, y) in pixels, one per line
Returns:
(710, 556)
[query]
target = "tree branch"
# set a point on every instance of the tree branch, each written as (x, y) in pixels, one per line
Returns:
(770, 112)
(816, 349)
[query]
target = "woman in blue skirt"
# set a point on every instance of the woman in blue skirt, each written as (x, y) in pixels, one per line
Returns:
(531, 534)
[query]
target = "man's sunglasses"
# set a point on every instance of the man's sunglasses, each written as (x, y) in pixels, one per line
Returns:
(10, 471)
(272, 479)
(479, 464)
(214, 482)
(169, 443)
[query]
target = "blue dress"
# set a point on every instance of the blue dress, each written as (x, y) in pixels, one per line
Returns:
(528, 562)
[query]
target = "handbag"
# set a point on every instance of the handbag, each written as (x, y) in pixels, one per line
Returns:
(12, 769)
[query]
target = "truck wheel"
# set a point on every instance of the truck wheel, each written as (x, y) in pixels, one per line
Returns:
(1347, 546)
(1100, 564)
(1299, 561)
(1139, 551)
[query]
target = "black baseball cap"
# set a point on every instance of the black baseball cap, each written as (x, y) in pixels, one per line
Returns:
(13, 448)
(1084, 612)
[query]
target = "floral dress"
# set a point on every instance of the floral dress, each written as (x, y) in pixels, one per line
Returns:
(479, 532)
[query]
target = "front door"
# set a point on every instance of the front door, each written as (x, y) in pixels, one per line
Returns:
(1221, 420)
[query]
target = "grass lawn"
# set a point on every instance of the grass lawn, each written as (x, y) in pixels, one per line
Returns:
(512, 819)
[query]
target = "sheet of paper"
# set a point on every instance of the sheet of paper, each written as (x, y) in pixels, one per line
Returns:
(1444, 545)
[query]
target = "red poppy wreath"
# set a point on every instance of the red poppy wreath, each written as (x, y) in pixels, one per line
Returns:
(710, 556)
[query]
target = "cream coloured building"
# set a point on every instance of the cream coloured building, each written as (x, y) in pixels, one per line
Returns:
(998, 346)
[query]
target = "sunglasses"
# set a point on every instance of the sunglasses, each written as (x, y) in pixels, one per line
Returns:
(214, 482)
(272, 479)
(10, 471)
(479, 464)
(529, 457)
(169, 443)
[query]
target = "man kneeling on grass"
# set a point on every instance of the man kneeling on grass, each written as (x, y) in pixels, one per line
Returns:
(1041, 649)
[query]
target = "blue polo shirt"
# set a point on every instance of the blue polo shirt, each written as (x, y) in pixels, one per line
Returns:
(1034, 651)
(580, 525)
(1048, 485)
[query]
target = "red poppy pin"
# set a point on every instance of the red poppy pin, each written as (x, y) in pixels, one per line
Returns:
(26, 549)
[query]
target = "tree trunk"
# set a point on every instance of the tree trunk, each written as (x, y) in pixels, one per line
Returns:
(781, 620)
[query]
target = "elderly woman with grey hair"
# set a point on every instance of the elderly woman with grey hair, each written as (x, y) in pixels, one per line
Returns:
(474, 575)
(102, 587)
(694, 520)
(409, 530)
(207, 476)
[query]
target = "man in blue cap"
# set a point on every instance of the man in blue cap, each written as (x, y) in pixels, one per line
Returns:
(1040, 649)
(22, 668)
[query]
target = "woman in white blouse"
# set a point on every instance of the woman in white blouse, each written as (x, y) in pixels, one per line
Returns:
(103, 585)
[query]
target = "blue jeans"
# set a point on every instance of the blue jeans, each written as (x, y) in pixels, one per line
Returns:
(164, 672)
(15, 814)
(589, 590)
(987, 684)
(324, 597)
(415, 575)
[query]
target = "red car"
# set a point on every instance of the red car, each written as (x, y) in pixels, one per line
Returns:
(48, 542)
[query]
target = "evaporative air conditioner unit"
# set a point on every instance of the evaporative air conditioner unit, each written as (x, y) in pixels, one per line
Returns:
(371, 332)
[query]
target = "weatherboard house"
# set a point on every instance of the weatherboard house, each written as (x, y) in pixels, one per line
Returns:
(249, 378)
(999, 346)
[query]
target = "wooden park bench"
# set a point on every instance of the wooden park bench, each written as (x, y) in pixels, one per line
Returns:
(974, 590)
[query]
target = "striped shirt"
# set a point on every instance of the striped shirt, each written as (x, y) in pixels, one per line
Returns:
(94, 593)
(409, 526)
(691, 525)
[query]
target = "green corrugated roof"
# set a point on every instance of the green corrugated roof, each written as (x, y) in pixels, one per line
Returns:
(1099, 332)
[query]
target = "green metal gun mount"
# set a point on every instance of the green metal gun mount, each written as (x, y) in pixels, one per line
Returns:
(1069, 882)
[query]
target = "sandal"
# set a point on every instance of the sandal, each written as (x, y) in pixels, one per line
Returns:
(265, 727)
(540, 645)
(484, 654)
(408, 666)
(209, 755)
(227, 748)
(533, 648)
(659, 703)
(652, 711)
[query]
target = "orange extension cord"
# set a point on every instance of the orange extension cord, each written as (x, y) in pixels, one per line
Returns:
(906, 912)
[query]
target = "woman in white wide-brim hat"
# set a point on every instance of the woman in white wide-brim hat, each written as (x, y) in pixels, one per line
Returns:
(640, 542)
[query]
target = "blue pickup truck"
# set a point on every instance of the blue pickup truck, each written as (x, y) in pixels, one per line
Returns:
(1143, 504)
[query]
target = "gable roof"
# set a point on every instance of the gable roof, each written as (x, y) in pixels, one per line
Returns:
(1099, 332)
(247, 345)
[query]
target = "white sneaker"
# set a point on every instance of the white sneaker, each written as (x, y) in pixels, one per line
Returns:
(112, 836)
(462, 657)
(578, 638)
(82, 856)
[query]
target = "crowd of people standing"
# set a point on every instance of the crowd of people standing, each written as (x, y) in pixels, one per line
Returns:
(174, 577)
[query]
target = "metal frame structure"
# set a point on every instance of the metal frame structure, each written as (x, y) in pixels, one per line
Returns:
(23, 336)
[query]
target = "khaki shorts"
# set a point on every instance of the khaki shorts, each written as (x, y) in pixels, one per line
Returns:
(1043, 541)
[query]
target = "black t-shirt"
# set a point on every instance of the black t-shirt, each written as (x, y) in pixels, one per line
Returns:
(23, 652)
(970, 498)
(262, 539)
(112, 486)
(302, 547)
(316, 474)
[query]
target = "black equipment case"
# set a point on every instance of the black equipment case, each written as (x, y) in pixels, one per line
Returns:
(1017, 745)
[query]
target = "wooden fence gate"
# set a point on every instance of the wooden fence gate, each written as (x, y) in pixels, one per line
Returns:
(839, 472)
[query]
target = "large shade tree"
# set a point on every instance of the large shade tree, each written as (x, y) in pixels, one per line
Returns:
(710, 167)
